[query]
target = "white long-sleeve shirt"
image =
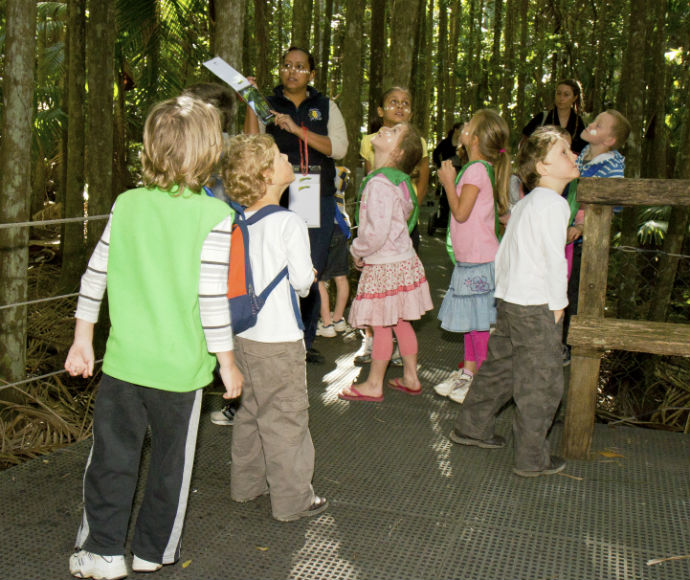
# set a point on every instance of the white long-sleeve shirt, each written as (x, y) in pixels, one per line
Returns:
(530, 264)
(280, 239)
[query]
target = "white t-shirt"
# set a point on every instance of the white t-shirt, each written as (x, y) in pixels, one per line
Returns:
(530, 263)
(275, 241)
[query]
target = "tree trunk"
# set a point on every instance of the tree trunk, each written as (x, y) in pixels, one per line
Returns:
(325, 49)
(229, 44)
(444, 66)
(496, 73)
(508, 63)
(351, 102)
(401, 55)
(263, 79)
(419, 71)
(658, 99)
(520, 114)
(450, 96)
(376, 60)
(15, 173)
(73, 249)
(301, 23)
(631, 105)
(99, 163)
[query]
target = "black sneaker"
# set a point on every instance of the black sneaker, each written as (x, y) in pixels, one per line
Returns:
(556, 466)
(314, 356)
(495, 442)
(225, 416)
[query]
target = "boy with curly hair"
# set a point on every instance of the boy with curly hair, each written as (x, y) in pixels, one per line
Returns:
(272, 449)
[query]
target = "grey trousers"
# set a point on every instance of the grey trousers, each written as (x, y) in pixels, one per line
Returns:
(524, 361)
(272, 448)
(123, 412)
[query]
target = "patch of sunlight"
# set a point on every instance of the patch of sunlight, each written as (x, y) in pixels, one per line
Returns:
(675, 55)
(342, 375)
(441, 445)
(323, 537)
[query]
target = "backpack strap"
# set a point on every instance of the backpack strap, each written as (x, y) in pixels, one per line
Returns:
(497, 224)
(262, 213)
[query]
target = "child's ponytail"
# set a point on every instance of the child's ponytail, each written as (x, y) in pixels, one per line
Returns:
(493, 134)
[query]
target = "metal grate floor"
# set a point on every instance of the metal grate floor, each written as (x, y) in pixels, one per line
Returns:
(405, 502)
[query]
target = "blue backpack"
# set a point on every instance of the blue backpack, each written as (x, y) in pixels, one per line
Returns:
(245, 303)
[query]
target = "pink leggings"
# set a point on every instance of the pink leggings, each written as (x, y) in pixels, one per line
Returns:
(476, 345)
(382, 348)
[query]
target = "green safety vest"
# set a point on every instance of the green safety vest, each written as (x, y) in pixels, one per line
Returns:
(396, 177)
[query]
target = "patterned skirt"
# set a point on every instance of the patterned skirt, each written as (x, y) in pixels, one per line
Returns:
(469, 303)
(388, 292)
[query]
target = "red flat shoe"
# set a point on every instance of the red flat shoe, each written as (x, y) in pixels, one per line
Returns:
(398, 386)
(357, 396)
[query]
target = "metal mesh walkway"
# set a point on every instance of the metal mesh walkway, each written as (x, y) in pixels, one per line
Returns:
(405, 502)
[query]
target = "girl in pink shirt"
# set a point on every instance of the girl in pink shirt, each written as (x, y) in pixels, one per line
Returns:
(477, 197)
(392, 289)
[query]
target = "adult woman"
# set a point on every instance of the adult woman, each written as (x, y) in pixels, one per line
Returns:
(566, 111)
(309, 128)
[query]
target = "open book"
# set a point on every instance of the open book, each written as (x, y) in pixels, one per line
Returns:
(247, 92)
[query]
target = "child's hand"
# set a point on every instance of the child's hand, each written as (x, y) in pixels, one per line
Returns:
(359, 262)
(80, 359)
(574, 232)
(558, 314)
(232, 379)
(446, 175)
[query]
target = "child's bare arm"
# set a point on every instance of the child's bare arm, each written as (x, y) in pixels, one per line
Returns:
(230, 374)
(80, 358)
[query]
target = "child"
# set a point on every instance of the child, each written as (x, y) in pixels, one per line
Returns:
(600, 158)
(272, 450)
(164, 258)
(477, 198)
(337, 265)
(395, 107)
(524, 355)
(392, 289)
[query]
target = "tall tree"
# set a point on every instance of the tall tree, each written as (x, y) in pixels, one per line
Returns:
(521, 111)
(15, 176)
(658, 98)
(508, 61)
(445, 67)
(496, 72)
(229, 44)
(450, 95)
(376, 56)
(301, 23)
(100, 72)
(325, 48)
(351, 103)
(73, 257)
(400, 58)
(263, 78)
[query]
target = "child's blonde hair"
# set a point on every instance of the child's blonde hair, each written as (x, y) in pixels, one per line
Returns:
(246, 160)
(621, 128)
(182, 144)
(493, 134)
(534, 151)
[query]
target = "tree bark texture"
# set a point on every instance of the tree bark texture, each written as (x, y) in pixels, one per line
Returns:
(401, 55)
(99, 165)
(73, 249)
(301, 23)
(325, 49)
(376, 61)
(15, 182)
(229, 44)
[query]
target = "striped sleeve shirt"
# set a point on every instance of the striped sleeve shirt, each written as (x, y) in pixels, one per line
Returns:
(213, 280)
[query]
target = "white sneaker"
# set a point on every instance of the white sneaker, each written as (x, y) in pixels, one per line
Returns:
(83, 564)
(446, 387)
(141, 565)
(459, 393)
(341, 325)
(326, 330)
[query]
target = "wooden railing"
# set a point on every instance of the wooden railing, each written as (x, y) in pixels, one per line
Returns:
(590, 334)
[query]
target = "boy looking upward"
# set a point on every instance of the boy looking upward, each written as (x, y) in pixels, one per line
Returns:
(524, 352)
